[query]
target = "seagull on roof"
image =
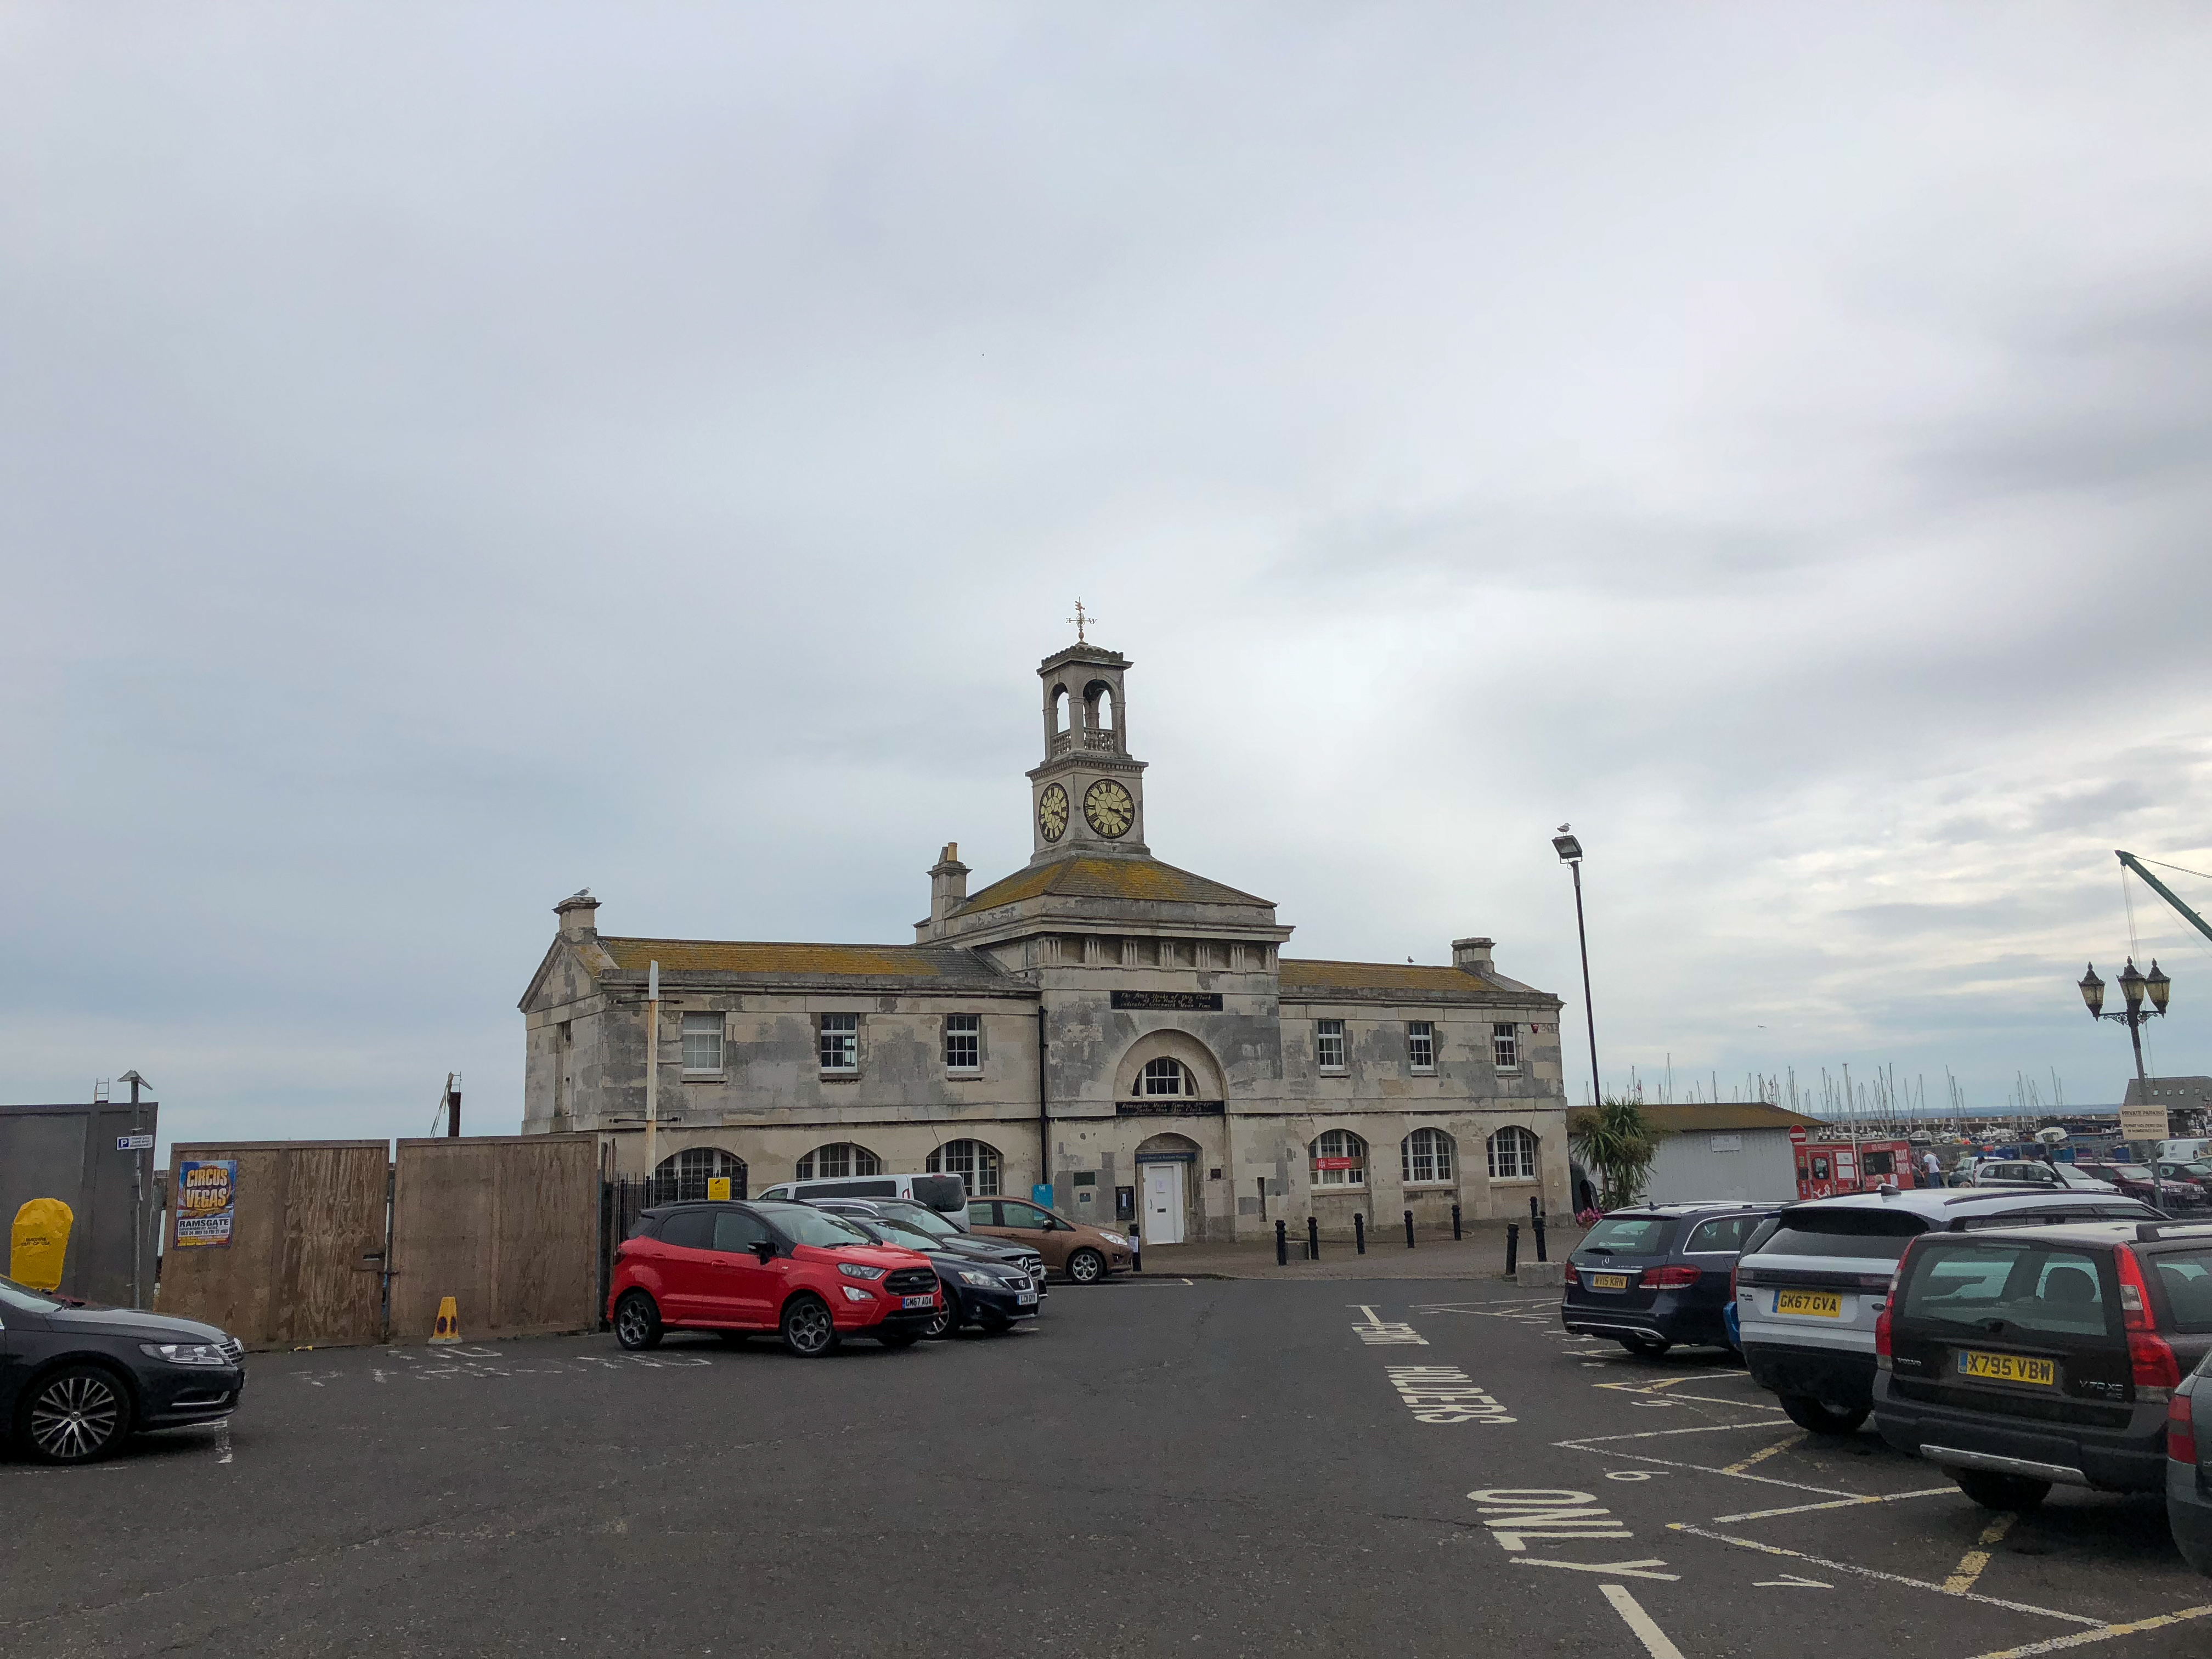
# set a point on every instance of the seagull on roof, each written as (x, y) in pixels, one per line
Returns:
(1564, 828)
(581, 892)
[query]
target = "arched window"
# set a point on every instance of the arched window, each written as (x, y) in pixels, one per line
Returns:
(838, 1160)
(685, 1174)
(972, 1161)
(1060, 706)
(1339, 1159)
(1513, 1155)
(1167, 1076)
(1427, 1156)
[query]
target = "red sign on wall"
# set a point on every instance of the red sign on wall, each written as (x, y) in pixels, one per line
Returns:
(1336, 1164)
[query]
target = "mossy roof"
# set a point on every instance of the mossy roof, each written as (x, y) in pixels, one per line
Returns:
(1703, 1117)
(1109, 878)
(1300, 973)
(912, 963)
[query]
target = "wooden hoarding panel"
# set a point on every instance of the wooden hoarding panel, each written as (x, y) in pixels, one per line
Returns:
(508, 1225)
(298, 1258)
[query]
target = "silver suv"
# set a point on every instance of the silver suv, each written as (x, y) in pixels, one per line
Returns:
(1813, 1278)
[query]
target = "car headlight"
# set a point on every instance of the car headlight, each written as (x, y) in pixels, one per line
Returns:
(970, 1276)
(186, 1353)
(853, 1294)
(854, 1270)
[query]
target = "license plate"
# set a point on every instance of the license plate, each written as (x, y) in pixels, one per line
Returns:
(2007, 1368)
(1820, 1304)
(917, 1302)
(1025, 1298)
(1609, 1281)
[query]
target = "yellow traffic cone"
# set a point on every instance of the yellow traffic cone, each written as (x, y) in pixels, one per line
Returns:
(448, 1327)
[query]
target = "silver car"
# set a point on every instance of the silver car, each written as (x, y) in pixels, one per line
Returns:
(1811, 1280)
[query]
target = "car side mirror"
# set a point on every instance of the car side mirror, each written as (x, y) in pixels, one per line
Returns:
(764, 1248)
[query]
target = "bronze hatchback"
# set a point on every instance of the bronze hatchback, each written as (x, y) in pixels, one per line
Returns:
(1084, 1253)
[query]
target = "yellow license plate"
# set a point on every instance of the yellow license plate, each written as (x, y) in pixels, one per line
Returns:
(1609, 1281)
(2007, 1368)
(1821, 1304)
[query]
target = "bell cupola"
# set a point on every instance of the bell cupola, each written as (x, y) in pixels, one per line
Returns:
(1088, 797)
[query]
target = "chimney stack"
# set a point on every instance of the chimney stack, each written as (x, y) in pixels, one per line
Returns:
(948, 886)
(579, 916)
(1472, 955)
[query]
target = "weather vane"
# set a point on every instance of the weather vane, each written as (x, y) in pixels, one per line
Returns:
(1081, 619)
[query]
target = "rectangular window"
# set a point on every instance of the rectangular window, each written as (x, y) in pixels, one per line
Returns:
(702, 1042)
(1328, 1044)
(1421, 1045)
(1506, 1047)
(963, 1041)
(840, 1042)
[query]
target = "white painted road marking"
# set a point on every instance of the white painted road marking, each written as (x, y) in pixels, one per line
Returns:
(1838, 1503)
(1654, 1639)
(1883, 1578)
(1544, 1512)
(1381, 1333)
(1444, 1393)
(2058, 1643)
(1790, 1581)
(1615, 1569)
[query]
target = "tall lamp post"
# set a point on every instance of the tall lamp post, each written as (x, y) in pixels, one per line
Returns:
(2134, 986)
(1570, 854)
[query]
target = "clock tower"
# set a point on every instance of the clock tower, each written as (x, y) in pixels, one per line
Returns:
(1087, 799)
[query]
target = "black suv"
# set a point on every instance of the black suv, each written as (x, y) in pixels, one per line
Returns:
(1654, 1276)
(2018, 1357)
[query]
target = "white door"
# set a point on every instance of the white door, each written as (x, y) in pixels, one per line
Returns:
(1163, 1204)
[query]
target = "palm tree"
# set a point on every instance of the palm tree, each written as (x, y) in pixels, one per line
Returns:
(1616, 1141)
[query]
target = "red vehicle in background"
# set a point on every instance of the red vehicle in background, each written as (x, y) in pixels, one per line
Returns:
(735, 1268)
(1827, 1168)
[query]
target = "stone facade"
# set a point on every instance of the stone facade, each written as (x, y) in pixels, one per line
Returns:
(1137, 1039)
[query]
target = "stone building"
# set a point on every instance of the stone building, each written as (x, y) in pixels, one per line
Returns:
(1100, 1022)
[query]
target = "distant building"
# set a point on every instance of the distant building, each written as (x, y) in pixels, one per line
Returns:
(1727, 1150)
(1099, 1022)
(2176, 1094)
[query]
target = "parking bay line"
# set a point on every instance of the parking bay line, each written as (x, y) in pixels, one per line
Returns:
(1975, 1560)
(1891, 1578)
(1647, 1631)
(1761, 1456)
(2082, 1639)
(1853, 1503)
(1597, 1443)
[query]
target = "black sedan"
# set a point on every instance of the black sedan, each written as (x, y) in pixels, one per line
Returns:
(1658, 1274)
(978, 1290)
(77, 1380)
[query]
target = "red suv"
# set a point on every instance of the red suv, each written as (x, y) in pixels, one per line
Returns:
(737, 1269)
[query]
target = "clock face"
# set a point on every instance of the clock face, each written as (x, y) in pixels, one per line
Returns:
(1108, 809)
(1052, 811)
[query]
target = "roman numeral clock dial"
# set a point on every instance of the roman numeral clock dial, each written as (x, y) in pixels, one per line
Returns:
(1108, 809)
(1052, 811)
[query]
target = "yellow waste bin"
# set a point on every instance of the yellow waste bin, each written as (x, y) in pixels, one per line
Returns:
(40, 1243)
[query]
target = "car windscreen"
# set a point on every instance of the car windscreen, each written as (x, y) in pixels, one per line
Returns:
(923, 1220)
(1877, 1234)
(2185, 1284)
(22, 1298)
(941, 1191)
(1724, 1233)
(2107, 1171)
(2006, 1288)
(1629, 1235)
(907, 1238)
(805, 1224)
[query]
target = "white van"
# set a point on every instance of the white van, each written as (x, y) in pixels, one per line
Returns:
(2181, 1151)
(945, 1194)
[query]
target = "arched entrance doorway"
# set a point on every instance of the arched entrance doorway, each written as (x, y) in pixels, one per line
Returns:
(1167, 1172)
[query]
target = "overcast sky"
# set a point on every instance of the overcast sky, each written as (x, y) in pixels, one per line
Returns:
(450, 456)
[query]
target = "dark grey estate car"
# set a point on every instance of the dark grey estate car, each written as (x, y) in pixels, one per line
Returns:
(77, 1380)
(2188, 1466)
(2021, 1357)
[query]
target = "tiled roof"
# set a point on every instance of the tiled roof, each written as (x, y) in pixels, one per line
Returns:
(1403, 976)
(1114, 879)
(1702, 1117)
(895, 961)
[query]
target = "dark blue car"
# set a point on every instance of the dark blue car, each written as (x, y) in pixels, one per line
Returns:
(1658, 1275)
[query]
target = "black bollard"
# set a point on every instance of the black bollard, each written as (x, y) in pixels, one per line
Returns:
(1512, 1248)
(1532, 1210)
(1358, 1232)
(1409, 1230)
(1313, 1238)
(1282, 1247)
(1136, 1249)
(1540, 1257)
(1454, 1221)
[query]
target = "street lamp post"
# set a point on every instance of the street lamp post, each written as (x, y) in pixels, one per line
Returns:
(2135, 986)
(1570, 854)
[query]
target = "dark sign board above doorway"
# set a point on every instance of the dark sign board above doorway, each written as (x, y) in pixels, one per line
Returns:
(1196, 1001)
(1171, 1108)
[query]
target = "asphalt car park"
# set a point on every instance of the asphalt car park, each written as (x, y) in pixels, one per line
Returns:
(1157, 1465)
